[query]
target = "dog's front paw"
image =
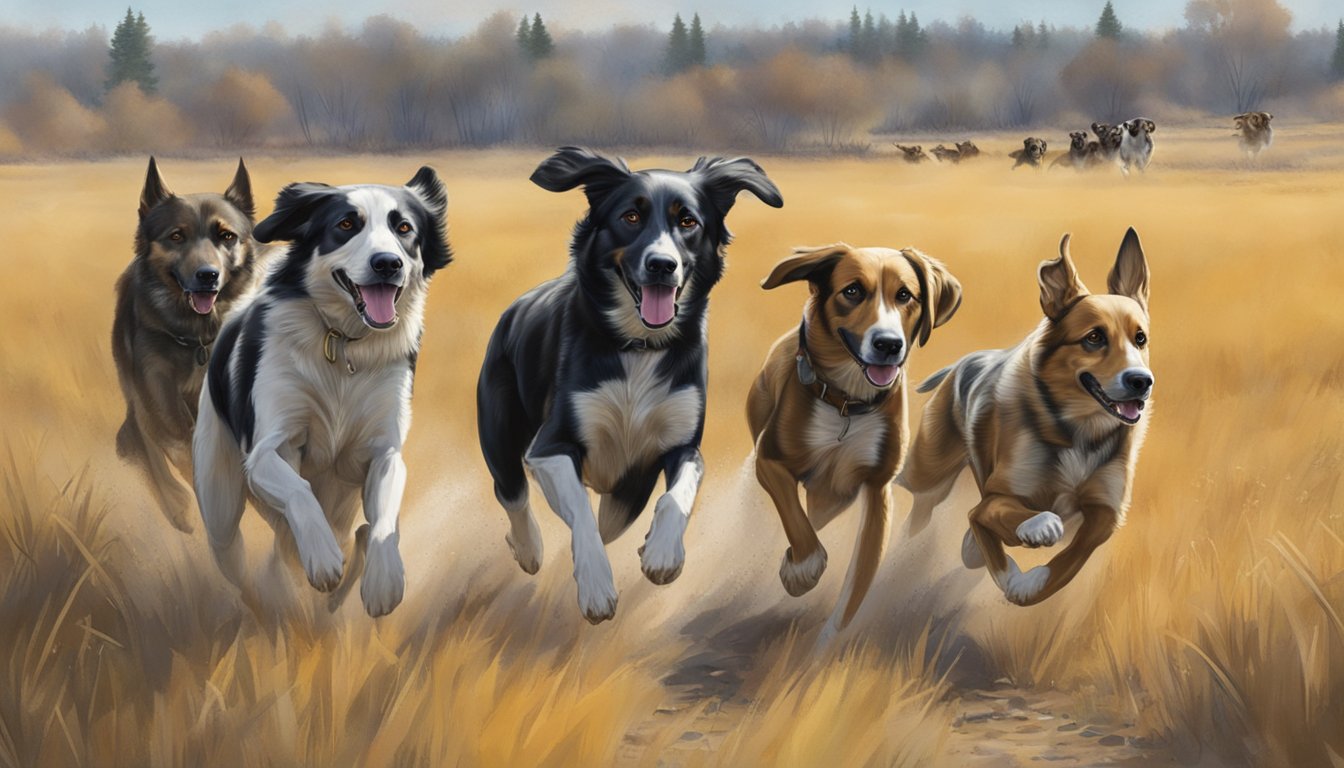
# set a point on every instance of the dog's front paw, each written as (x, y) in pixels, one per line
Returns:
(323, 562)
(798, 578)
(525, 544)
(597, 591)
(384, 581)
(1044, 529)
(663, 554)
(1022, 588)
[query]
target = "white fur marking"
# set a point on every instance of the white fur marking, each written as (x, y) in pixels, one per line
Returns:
(664, 553)
(1022, 587)
(1044, 529)
(592, 571)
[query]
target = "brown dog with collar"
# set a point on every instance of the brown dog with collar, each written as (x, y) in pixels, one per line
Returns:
(828, 410)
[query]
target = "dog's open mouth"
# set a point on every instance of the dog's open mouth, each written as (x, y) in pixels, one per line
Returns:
(1127, 411)
(202, 302)
(880, 376)
(657, 304)
(375, 302)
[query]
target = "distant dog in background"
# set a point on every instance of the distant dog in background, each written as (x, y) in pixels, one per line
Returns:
(913, 154)
(945, 155)
(828, 410)
(1108, 140)
(598, 378)
(1254, 133)
(967, 149)
(1082, 153)
(308, 397)
(1051, 429)
(194, 259)
(1031, 153)
(1136, 144)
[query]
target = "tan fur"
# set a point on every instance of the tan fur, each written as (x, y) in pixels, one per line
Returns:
(798, 437)
(1254, 132)
(1033, 436)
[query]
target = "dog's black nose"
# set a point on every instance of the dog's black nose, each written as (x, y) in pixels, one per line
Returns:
(888, 344)
(659, 264)
(1138, 382)
(206, 277)
(385, 264)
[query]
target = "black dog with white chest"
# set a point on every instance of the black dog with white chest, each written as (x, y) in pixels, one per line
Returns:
(598, 377)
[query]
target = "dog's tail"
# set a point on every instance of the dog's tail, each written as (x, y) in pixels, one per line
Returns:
(929, 384)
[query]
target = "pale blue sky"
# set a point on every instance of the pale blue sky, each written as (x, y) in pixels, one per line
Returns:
(172, 19)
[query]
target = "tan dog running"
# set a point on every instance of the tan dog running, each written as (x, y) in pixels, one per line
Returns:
(1051, 428)
(828, 410)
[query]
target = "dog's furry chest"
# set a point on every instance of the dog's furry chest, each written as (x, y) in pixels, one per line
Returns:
(842, 462)
(629, 422)
(1058, 479)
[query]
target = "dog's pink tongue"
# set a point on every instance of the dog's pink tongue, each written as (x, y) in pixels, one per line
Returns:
(882, 375)
(202, 301)
(1129, 409)
(379, 302)
(657, 304)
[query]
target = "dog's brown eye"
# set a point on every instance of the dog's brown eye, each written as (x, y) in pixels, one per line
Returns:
(853, 292)
(227, 236)
(904, 295)
(404, 227)
(1095, 339)
(630, 217)
(688, 222)
(346, 224)
(1140, 338)
(176, 236)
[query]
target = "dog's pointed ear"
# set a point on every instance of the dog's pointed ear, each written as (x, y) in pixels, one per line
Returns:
(939, 292)
(429, 190)
(1129, 276)
(293, 206)
(572, 167)
(723, 179)
(155, 190)
(1060, 286)
(811, 264)
(240, 191)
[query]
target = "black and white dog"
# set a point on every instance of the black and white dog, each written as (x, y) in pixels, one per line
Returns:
(598, 377)
(308, 394)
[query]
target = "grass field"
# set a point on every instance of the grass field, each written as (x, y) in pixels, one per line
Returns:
(1207, 631)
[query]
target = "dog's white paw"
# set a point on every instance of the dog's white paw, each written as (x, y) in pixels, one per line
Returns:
(663, 554)
(322, 559)
(384, 581)
(597, 591)
(971, 555)
(799, 578)
(525, 543)
(1044, 529)
(1022, 587)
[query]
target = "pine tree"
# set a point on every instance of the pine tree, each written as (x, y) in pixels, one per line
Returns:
(855, 32)
(1337, 62)
(524, 35)
(1019, 39)
(129, 57)
(1108, 26)
(678, 54)
(541, 44)
(697, 42)
(902, 34)
(868, 42)
(1042, 36)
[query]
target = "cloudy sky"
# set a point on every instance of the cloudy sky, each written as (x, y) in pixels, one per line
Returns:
(173, 19)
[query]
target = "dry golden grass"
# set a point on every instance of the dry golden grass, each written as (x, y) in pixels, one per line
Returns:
(1213, 620)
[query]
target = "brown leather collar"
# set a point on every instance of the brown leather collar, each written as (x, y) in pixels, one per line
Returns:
(829, 393)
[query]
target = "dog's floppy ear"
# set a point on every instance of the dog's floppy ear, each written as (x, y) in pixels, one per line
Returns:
(572, 167)
(1060, 286)
(429, 190)
(1150, 125)
(1043, 145)
(1129, 276)
(939, 292)
(155, 191)
(293, 206)
(240, 191)
(812, 264)
(723, 179)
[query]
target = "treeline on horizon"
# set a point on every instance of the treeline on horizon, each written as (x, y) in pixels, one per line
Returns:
(816, 85)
